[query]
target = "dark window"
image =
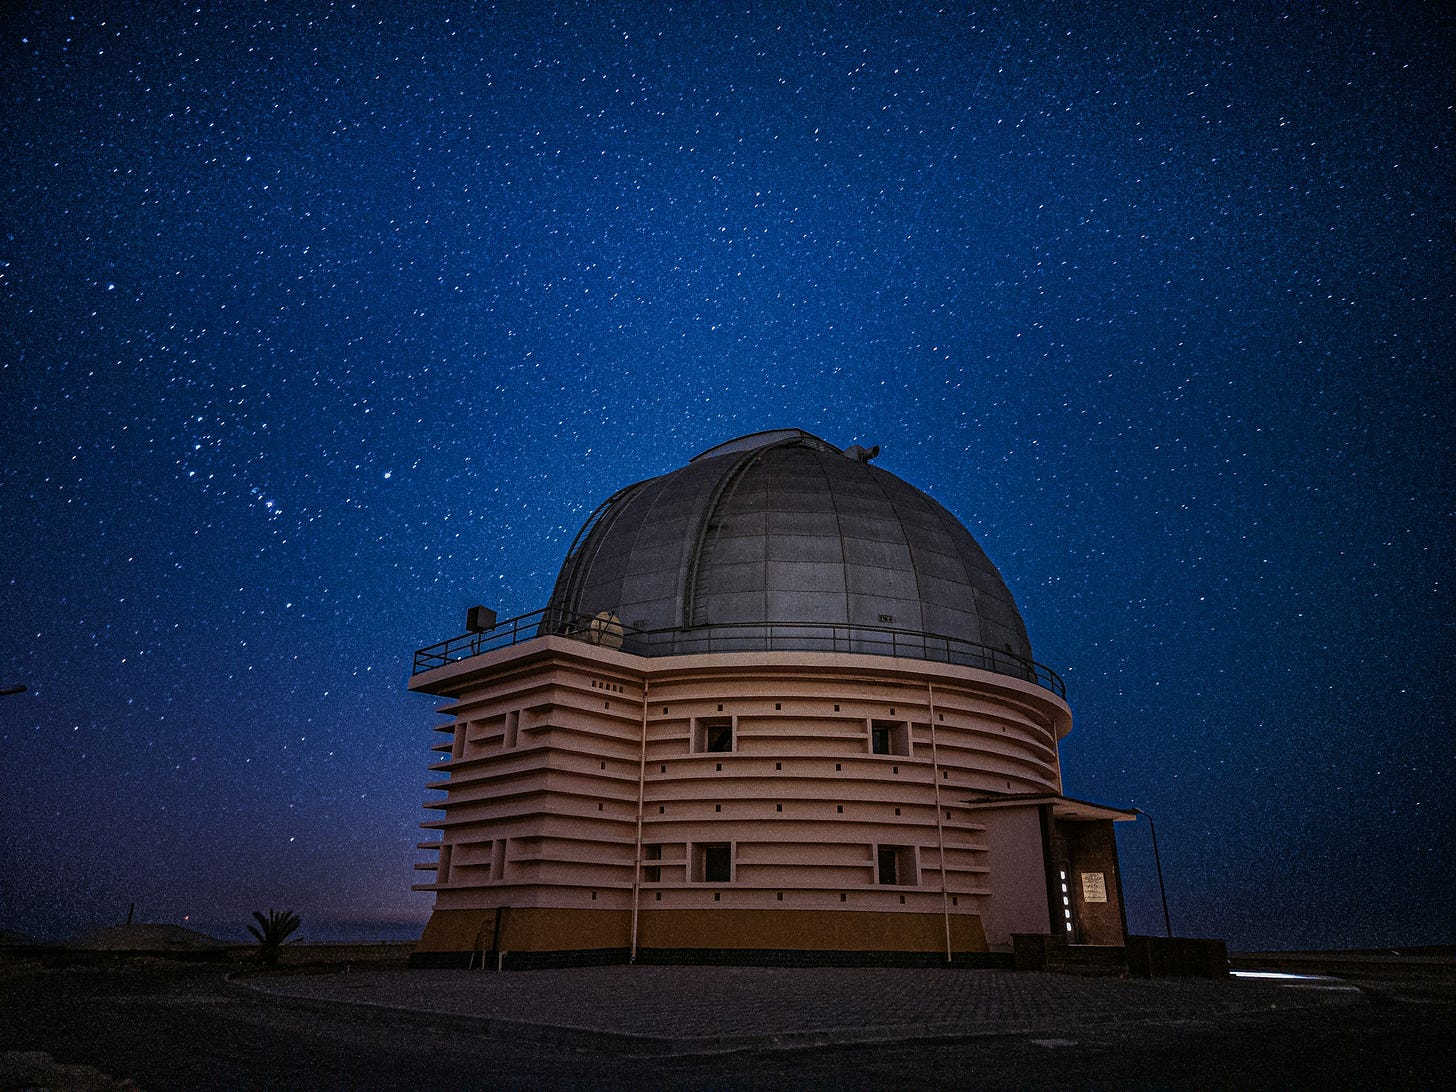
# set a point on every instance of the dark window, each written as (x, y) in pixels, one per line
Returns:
(889, 862)
(717, 864)
(889, 737)
(652, 873)
(895, 865)
(714, 734)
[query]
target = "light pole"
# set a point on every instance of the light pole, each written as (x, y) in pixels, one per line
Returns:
(1158, 863)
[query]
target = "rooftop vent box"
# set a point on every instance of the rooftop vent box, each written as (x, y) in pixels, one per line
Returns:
(479, 619)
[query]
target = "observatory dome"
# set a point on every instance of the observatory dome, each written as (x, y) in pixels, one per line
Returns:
(782, 534)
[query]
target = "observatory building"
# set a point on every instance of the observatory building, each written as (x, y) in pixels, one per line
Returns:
(780, 707)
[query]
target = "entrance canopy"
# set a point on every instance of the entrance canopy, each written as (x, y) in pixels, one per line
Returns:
(1064, 808)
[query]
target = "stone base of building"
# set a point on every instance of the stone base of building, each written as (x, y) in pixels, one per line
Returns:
(533, 937)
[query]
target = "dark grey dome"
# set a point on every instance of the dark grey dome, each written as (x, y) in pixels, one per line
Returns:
(779, 528)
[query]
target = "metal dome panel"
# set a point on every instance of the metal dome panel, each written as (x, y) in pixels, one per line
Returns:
(779, 528)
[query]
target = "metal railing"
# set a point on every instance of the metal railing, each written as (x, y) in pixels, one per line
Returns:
(608, 631)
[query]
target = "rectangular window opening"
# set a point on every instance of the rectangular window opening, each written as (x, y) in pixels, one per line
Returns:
(895, 865)
(715, 863)
(652, 873)
(889, 737)
(713, 735)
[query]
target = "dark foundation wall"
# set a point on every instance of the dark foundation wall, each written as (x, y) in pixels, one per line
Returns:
(452, 937)
(1087, 850)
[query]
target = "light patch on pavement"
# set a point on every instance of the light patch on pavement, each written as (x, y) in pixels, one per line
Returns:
(1305, 981)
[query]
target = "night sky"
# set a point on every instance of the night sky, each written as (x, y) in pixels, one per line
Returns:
(324, 322)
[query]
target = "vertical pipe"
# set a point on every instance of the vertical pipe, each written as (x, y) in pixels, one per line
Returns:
(637, 852)
(939, 824)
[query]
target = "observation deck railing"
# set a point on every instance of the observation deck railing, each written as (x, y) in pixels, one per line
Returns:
(606, 630)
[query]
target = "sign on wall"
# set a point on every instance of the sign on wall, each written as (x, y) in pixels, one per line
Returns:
(1094, 887)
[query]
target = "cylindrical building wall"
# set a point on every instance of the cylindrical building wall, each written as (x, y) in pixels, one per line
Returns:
(766, 782)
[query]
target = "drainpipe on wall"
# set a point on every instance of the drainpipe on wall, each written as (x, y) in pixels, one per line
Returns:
(939, 815)
(1052, 867)
(637, 853)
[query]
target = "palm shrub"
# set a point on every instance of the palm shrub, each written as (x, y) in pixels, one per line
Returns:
(272, 933)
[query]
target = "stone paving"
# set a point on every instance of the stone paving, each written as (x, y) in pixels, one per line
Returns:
(676, 1009)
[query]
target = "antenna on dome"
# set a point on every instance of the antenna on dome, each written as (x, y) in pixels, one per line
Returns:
(861, 454)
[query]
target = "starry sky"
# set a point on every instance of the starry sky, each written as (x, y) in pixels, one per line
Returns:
(323, 322)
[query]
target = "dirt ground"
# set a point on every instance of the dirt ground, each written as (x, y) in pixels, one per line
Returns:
(158, 1025)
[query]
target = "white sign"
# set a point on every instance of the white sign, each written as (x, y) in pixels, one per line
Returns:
(1094, 887)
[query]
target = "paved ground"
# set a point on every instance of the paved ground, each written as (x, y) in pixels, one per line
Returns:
(167, 1026)
(661, 1010)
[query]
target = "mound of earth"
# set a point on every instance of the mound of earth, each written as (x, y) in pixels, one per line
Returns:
(146, 938)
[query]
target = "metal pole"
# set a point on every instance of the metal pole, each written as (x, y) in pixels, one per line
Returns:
(939, 813)
(1158, 863)
(637, 853)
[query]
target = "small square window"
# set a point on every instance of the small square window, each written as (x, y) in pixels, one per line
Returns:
(778, 807)
(717, 807)
(778, 705)
(839, 808)
(778, 765)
